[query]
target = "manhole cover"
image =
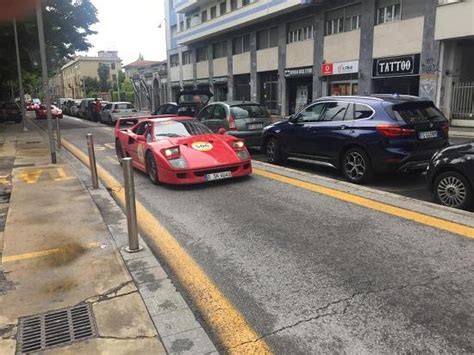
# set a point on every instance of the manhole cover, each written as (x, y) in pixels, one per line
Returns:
(55, 328)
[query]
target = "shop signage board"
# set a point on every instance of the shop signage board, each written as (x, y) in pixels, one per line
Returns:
(202, 81)
(298, 72)
(219, 79)
(396, 66)
(340, 68)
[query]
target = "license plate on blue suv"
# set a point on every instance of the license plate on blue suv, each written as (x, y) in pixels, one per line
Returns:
(428, 134)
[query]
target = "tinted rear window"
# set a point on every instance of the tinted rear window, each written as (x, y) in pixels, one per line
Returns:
(249, 111)
(124, 106)
(417, 112)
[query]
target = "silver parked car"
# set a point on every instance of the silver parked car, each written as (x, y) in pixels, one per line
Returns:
(115, 110)
(74, 108)
(242, 119)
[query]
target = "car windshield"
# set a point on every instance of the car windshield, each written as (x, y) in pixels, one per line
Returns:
(249, 111)
(169, 129)
(417, 112)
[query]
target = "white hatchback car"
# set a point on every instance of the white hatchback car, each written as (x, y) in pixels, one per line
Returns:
(115, 110)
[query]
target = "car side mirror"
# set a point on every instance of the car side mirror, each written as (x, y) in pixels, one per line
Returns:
(141, 139)
(221, 130)
(294, 117)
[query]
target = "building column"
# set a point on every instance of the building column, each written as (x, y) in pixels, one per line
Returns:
(180, 61)
(230, 71)
(194, 64)
(367, 23)
(253, 67)
(318, 55)
(430, 54)
(210, 62)
(281, 70)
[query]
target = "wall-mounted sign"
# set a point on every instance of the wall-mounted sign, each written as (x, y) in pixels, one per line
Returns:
(188, 82)
(175, 84)
(397, 66)
(219, 79)
(202, 81)
(298, 72)
(340, 68)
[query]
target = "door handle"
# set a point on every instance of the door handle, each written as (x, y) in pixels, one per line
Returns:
(344, 126)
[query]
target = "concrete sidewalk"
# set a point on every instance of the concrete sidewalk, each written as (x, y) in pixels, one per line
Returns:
(58, 252)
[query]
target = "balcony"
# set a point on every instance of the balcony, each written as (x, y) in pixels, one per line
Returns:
(454, 19)
(244, 16)
(182, 6)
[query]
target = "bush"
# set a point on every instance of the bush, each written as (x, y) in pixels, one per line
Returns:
(124, 96)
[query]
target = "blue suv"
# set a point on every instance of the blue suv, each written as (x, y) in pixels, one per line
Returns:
(360, 135)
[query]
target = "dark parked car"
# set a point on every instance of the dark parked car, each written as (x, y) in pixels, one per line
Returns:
(10, 111)
(244, 120)
(361, 135)
(169, 108)
(450, 176)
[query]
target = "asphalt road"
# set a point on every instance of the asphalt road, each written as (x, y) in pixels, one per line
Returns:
(313, 274)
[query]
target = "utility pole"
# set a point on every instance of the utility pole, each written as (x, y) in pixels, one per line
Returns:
(44, 69)
(20, 81)
(118, 84)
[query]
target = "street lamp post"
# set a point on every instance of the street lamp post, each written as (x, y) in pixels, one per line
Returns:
(20, 81)
(44, 69)
(118, 84)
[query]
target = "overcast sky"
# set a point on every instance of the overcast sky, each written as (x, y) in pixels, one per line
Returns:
(130, 27)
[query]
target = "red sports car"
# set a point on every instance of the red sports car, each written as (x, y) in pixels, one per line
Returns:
(55, 112)
(180, 150)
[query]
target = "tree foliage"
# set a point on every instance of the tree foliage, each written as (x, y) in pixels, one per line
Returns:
(104, 74)
(67, 24)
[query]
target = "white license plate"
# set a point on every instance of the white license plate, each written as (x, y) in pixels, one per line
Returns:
(428, 134)
(218, 176)
(255, 126)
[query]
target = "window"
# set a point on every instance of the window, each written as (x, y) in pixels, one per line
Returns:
(219, 50)
(352, 23)
(300, 30)
(388, 13)
(233, 5)
(108, 107)
(362, 111)
(334, 26)
(112, 66)
(219, 112)
(213, 11)
(174, 60)
(312, 113)
(241, 44)
(267, 38)
(223, 8)
(181, 25)
(186, 57)
(188, 22)
(173, 29)
(335, 111)
(245, 2)
(201, 54)
(204, 16)
(205, 114)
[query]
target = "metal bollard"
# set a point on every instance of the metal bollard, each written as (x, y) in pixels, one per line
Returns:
(93, 166)
(58, 132)
(131, 209)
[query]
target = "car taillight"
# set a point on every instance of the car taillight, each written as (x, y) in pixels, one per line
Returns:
(445, 128)
(238, 145)
(395, 131)
(232, 126)
(171, 153)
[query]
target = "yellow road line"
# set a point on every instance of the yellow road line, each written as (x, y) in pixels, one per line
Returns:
(227, 322)
(41, 253)
(435, 222)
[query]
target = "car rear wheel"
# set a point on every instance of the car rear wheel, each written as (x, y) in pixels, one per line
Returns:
(356, 166)
(273, 151)
(119, 151)
(151, 168)
(453, 190)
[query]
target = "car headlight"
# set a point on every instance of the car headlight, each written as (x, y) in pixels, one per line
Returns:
(242, 154)
(179, 163)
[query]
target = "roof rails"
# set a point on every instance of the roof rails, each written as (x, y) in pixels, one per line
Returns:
(352, 97)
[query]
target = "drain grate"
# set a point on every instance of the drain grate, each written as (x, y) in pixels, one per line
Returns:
(55, 328)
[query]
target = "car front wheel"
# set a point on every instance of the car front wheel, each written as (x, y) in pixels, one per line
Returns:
(151, 168)
(356, 166)
(453, 190)
(273, 151)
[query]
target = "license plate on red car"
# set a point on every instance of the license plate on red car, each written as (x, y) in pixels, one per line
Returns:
(218, 176)
(428, 134)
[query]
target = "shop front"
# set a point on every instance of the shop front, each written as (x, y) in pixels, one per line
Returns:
(299, 84)
(202, 84)
(188, 84)
(397, 75)
(242, 87)
(342, 79)
(220, 88)
(268, 91)
(175, 89)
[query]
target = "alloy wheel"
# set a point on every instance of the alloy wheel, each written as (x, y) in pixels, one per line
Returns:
(451, 191)
(151, 168)
(271, 150)
(355, 165)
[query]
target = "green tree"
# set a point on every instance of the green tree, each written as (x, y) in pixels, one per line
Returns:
(92, 86)
(67, 24)
(104, 74)
(127, 85)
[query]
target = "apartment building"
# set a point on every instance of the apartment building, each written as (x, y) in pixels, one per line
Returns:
(150, 82)
(74, 71)
(285, 54)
